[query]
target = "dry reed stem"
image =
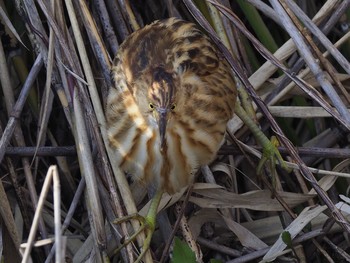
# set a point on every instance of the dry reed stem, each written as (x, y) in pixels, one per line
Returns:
(104, 25)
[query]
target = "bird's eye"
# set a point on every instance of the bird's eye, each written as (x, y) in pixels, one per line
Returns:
(173, 107)
(151, 106)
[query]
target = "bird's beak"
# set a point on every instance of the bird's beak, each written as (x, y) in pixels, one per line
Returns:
(162, 121)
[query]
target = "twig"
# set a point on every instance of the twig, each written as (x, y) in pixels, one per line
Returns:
(51, 174)
(239, 71)
(43, 151)
(306, 53)
(14, 116)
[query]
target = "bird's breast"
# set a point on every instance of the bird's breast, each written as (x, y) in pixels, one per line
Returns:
(185, 151)
(172, 166)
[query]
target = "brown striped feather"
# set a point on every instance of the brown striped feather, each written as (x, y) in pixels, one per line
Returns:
(169, 66)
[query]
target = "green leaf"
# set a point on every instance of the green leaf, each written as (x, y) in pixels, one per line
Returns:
(213, 260)
(287, 239)
(182, 252)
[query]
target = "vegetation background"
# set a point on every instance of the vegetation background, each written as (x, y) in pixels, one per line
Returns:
(59, 189)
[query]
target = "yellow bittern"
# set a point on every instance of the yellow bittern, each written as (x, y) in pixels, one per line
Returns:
(167, 112)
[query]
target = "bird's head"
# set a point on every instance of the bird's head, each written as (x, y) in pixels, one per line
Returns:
(162, 98)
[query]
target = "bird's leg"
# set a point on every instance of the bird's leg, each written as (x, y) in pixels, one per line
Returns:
(270, 151)
(148, 224)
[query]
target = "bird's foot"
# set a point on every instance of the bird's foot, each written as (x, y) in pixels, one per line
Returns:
(271, 154)
(270, 151)
(147, 225)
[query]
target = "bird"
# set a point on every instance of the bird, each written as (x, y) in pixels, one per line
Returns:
(167, 110)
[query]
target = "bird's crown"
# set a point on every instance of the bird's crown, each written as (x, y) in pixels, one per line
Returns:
(163, 87)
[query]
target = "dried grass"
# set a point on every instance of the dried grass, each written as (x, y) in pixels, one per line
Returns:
(54, 87)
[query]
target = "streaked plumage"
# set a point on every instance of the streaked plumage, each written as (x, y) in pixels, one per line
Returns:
(169, 81)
